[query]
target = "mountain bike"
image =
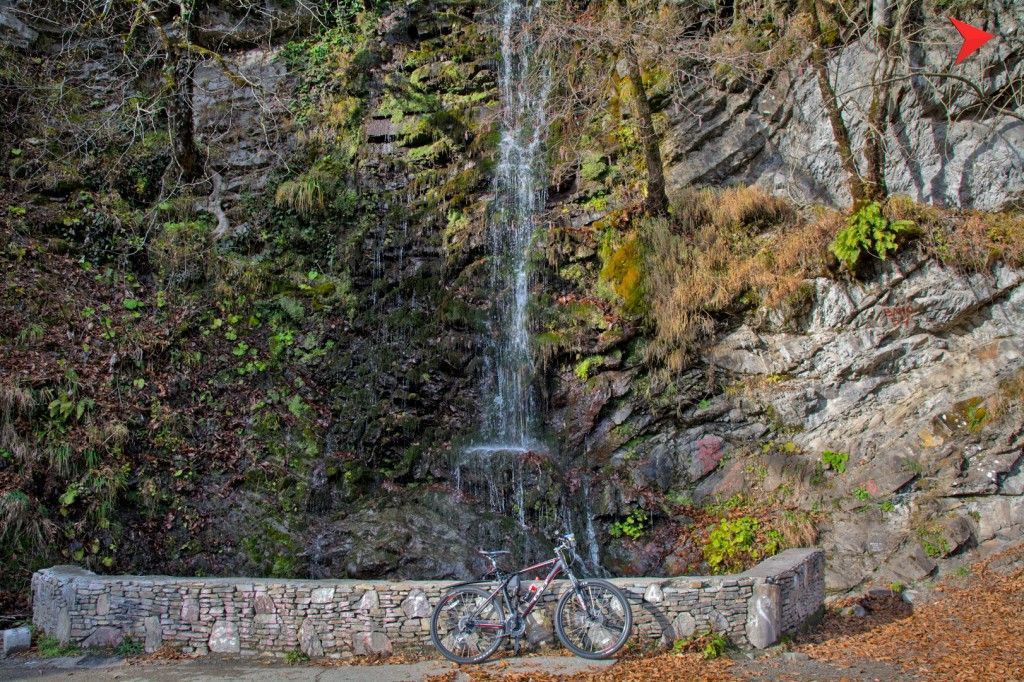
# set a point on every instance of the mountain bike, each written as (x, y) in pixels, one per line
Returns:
(592, 617)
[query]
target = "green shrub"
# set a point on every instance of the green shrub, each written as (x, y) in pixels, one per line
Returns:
(730, 543)
(295, 656)
(836, 461)
(129, 647)
(715, 646)
(868, 231)
(633, 526)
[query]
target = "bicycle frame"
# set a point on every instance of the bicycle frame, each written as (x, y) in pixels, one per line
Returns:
(558, 565)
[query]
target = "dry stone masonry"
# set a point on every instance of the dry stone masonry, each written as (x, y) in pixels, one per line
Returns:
(345, 618)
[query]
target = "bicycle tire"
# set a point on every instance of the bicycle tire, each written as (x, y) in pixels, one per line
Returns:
(626, 627)
(438, 639)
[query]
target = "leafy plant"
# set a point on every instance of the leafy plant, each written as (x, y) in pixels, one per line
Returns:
(633, 526)
(129, 647)
(295, 656)
(868, 231)
(933, 542)
(861, 494)
(836, 461)
(715, 646)
(730, 543)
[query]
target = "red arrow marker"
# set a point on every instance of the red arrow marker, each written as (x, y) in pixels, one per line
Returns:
(973, 38)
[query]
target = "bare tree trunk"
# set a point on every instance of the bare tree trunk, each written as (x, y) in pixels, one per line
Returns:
(178, 72)
(835, 117)
(878, 114)
(656, 202)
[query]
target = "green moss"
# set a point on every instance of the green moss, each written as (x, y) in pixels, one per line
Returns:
(623, 270)
(585, 369)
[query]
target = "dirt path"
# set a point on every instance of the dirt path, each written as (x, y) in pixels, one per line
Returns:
(213, 670)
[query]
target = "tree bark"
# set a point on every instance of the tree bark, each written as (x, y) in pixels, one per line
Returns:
(840, 131)
(656, 201)
(178, 72)
(875, 188)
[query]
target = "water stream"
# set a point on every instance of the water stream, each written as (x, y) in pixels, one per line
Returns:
(510, 417)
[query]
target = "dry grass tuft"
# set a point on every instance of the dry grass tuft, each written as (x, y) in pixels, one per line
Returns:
(722, 246)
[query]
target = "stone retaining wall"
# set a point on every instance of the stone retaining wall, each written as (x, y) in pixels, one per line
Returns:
(344, 618)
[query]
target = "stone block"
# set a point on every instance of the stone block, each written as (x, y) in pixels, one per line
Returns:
(154, 633)
(104, 636)
(224, 638)
(16, 639)
(371, 644)
(416, 605)
(764, 616)
(309, 639)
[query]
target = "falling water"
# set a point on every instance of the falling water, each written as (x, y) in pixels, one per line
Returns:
(495, 469)
(519, 196)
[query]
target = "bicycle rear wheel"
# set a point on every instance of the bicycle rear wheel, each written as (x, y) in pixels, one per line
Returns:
(467, 625)
(593, 621)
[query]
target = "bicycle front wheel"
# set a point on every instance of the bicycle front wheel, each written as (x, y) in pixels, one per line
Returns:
(467, 625)
(593, 621)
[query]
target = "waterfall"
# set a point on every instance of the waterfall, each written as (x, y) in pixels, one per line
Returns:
(509, 419)
(508, 464)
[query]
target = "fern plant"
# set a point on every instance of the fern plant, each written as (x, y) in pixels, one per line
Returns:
(868, 231)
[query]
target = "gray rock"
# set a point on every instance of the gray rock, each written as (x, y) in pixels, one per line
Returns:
(154, 634)
(370, 601)
(764, 615)
(683, 626)
(654, 594)
(104, 636)
(853, 611)
(416, 605)
(16, 639)
(371, 644)
(322, 595)
(309, 639)
(224, 637)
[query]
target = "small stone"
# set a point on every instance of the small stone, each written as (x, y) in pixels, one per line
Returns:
(102, 605)
(795, 656)
(416, 605)
(16, 639)
(369, 601)
(371, 643)
(854, 611)
(322, 595)
(654, 594)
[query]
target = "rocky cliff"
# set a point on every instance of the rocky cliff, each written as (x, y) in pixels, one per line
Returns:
(272, 368)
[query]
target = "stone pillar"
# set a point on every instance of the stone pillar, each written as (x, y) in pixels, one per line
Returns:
(764, 615)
